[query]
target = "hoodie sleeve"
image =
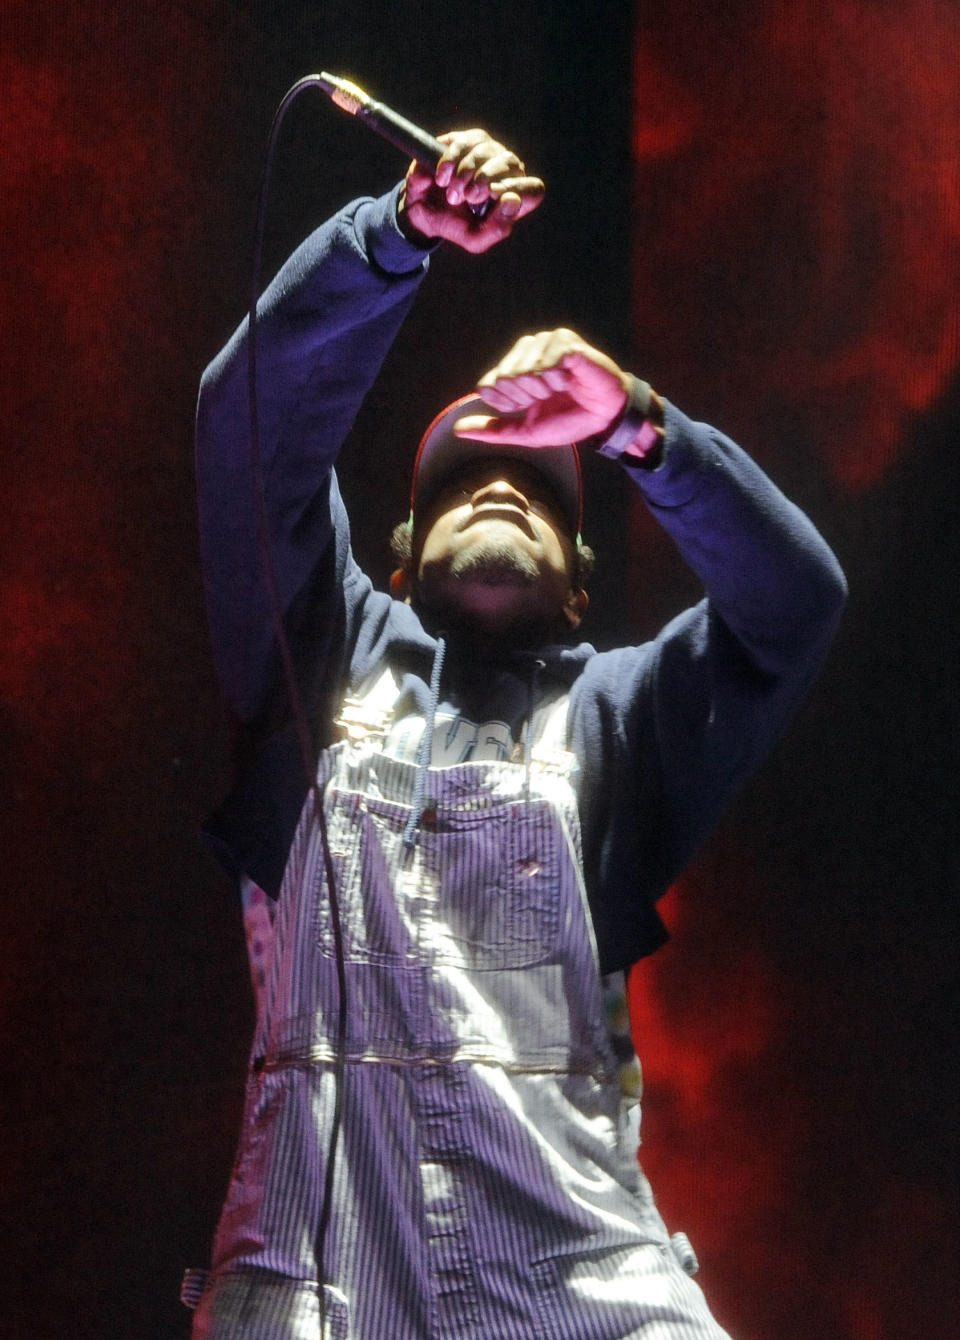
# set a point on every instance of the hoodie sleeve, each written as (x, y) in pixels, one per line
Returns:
(671, 731)
(324, 327)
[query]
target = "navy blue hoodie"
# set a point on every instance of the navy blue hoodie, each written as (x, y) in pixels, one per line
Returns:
(665, 733)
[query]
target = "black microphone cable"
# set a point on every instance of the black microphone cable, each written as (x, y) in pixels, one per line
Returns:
(301, 725)
(416, 144)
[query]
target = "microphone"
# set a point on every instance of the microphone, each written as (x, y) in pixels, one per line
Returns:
(401, 133)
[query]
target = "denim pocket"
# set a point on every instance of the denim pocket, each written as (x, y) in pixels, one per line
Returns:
(258, 1305)
(624, 1292)
(479, 890)
(496, 872)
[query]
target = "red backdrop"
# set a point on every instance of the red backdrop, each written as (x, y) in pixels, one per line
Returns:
(757, 205)
(797, 252)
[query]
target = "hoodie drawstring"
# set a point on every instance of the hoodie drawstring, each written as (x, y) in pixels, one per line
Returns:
(426, 743)
(532, 690)
(426, 746)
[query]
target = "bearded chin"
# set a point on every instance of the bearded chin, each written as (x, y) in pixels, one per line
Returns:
(492, 563)
(495, 563)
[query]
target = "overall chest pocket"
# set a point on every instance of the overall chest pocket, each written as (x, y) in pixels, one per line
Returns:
(498, 875)
(482, 888)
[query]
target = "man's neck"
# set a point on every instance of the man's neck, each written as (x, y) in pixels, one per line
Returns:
(492, 646)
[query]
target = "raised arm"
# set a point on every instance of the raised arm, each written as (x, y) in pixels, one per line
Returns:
(324, 327)
(668, 733)
(768, 573)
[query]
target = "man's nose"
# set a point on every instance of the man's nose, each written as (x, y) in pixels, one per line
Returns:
(500, 491)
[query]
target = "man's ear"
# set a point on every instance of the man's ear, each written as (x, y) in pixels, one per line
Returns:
(575, 606)
(400, 584)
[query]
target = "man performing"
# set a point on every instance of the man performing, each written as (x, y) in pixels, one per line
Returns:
(502, 805)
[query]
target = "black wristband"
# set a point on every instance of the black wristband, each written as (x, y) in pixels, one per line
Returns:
(632, 418)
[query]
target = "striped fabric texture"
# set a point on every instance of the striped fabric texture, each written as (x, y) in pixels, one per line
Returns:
(486, 1182)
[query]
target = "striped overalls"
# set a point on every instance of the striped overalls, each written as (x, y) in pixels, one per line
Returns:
(486, 1182)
